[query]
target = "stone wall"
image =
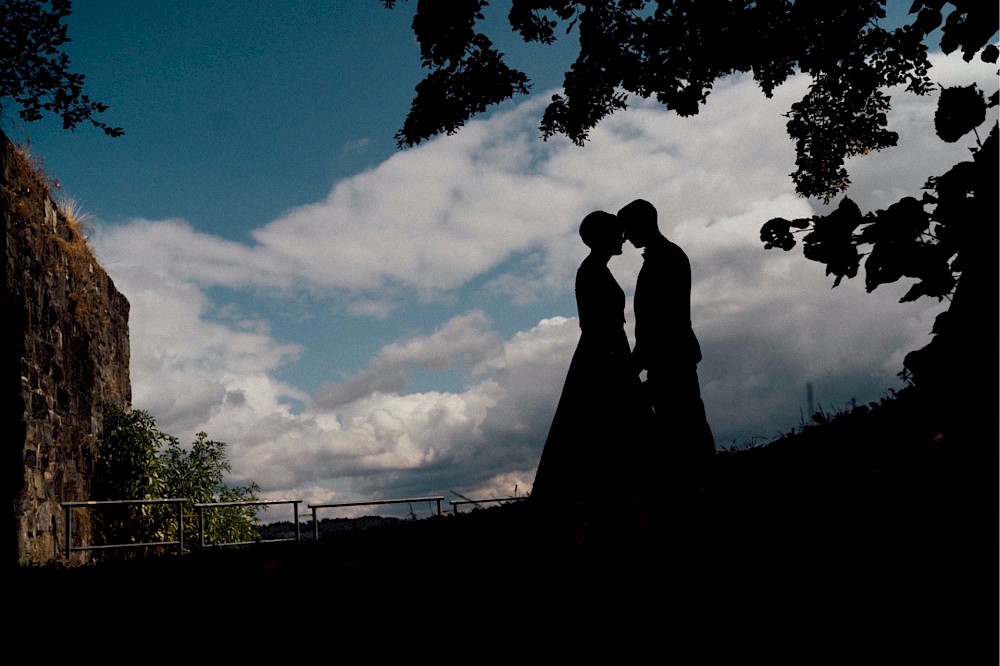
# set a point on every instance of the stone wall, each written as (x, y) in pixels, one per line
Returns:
(66, 353)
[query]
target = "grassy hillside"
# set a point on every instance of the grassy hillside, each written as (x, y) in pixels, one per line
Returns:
(873, 524)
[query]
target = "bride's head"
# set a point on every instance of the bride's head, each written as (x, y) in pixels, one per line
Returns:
(602, 232)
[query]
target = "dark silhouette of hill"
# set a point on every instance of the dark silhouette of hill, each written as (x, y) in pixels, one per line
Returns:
(871, 529)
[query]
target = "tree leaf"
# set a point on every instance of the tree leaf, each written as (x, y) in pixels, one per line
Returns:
(960, 110)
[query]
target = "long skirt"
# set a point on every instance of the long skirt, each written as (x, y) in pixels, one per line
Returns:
(598, 448)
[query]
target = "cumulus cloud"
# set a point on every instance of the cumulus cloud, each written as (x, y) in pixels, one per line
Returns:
(461, 342)
(481, 228)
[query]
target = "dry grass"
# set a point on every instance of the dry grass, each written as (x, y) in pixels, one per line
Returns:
(76, 261)
(75, 218)
(69, 211)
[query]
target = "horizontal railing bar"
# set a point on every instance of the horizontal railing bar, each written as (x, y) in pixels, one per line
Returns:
(125, 545)
(484, 501)
(146, 501)
(371, 502)
(246, 503)
(456, 503)
(249, 543)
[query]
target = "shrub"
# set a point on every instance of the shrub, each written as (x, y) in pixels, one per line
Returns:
(136, 461)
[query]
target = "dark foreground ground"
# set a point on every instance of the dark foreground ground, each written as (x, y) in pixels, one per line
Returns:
(870, 539)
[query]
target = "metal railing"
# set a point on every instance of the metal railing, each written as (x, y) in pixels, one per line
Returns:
(404, 500)
(69, 506)
(213, 505)
(456, 503)
(180, 501)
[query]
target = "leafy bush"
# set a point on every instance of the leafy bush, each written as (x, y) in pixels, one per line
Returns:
(136, 461)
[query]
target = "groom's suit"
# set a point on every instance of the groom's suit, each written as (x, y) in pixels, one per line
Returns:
(667, 348)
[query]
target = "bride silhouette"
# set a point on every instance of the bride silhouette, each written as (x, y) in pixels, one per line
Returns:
(591, 455)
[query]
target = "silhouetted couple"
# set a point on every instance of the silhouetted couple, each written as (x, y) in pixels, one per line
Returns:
(615, 441)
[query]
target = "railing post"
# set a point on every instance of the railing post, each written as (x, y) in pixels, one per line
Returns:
(295, 508)
(201, 526)
(315, 526)
(439, 506)
(69, 529)
(180, 527)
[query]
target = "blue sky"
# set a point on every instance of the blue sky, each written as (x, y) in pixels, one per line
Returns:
(360, 322)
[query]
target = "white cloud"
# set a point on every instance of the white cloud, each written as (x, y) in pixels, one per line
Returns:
(460, 342)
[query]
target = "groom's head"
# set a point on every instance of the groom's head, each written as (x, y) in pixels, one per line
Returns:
(639, 219)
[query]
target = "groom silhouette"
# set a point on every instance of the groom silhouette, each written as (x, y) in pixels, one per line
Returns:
(667, 349)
